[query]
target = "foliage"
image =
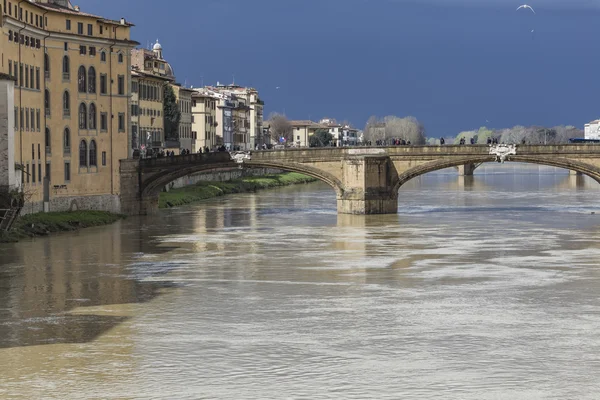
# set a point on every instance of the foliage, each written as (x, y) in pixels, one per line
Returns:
(41, 224)
(208, 190)
(280, 127)
(392, 127)
(520, 134)
(321, 138)
(171, 113)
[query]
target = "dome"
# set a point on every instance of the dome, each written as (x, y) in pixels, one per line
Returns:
(157, 46)
(169, 70)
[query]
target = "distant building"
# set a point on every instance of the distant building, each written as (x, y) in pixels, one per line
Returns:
(334, 128)
(349, 136)
(204, 119)
(150, 73)
(592, 130)
(184, 103)
(302, 130)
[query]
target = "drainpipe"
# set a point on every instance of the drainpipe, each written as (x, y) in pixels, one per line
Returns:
(20, 90)
(112, 153)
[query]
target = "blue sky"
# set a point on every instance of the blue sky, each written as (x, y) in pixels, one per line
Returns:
(453, 64)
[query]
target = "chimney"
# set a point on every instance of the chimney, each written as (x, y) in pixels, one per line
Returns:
(76, 8)
(122, 21)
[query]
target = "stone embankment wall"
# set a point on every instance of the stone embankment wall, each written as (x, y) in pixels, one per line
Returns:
(220, 176)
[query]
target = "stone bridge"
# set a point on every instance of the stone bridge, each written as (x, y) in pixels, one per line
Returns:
(365, 179)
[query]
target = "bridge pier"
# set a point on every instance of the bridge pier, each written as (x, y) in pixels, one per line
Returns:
(368, 186)
(466, 169)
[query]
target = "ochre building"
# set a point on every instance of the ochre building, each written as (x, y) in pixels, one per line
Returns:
(72, 73)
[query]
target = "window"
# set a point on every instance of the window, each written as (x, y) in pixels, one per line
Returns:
(80, 28)
(92, 80)
(48, 171)
(47, 140)
(134, 87)
(37, 119)
(102, 83)
(16, 118)
(10, 73)
(27, 119)
(37, 43)
(121, 122)
(101, 29)
(10, 36)
(81, 80)
(31, 81)
(68, 24)
(39, 172)
(67, 171)
(82, 116)
(32, 118)
(103, 121)
(21, 118)
(46, 66)
(103, 158)
(121, 84)
(93, 155)
(20, 74)
(66, 104)
(92, 51)
(26, 40)
(92, 116)
(26, 76)
(66, 68)
(32, 172)
(66, 46)
(90, 30)
(16, 69)
(47, 102)
(27, 172)
(103, 56)
(82, 50)
(83, 154)
(37, 78)
(67, 142)
(120, 58)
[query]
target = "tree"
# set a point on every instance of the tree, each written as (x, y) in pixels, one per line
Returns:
(171, 114)
(408, 128)
(320, 138)
(374, 130)
(280, 127)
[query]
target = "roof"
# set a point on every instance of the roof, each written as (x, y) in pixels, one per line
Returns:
(304, 122)
(74, 11)
(138, 73)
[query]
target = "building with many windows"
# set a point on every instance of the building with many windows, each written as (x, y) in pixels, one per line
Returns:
(184, 104)
(204, 119)
(150, 73)
(71, 102)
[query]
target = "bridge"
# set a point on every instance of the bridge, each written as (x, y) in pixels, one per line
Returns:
(366, 180)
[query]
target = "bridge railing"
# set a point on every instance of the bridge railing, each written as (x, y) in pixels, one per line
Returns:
(194, 158)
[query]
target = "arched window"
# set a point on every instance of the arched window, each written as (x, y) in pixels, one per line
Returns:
(66, 68)
(103, 56)
(47, 140)
(83, 154)
(46, 65)
(92, 117)
(67, 140)
(82, 116)
(81, 80)
(93, 155)
(120, 58)
(92, 80)
(47, 101)
(66, 104)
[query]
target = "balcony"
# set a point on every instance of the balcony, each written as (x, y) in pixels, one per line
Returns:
(66, 151)
(66, 76)
(67, 112)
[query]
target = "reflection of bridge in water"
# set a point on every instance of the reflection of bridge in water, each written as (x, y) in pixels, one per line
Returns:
(366, 180)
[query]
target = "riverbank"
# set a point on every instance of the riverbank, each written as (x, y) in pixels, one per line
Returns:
(42, 224)
(207, 190)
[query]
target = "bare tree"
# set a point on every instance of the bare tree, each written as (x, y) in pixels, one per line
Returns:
(280, 127)
(374, 130)
(408, 128)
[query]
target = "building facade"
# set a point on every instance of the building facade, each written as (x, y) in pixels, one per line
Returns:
(187, 141)
(302, 130)
(71, 112)
(204, 119)
(149, 75)
(592, 130)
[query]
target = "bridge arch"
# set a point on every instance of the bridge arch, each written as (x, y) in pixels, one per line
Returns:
(154, 184)
(574, 165)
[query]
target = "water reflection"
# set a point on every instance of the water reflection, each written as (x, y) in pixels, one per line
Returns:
(480, 287)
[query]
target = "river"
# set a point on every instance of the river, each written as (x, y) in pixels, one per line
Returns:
(483, 287)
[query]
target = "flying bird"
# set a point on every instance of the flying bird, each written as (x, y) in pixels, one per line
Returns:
(526, 6)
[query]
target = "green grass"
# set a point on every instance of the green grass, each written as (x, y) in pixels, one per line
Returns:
(208, 190)
(42, 224)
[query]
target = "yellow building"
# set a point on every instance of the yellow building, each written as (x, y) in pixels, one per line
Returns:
(150, 74)
(72, 72)
(302, 130)
(204, 119)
